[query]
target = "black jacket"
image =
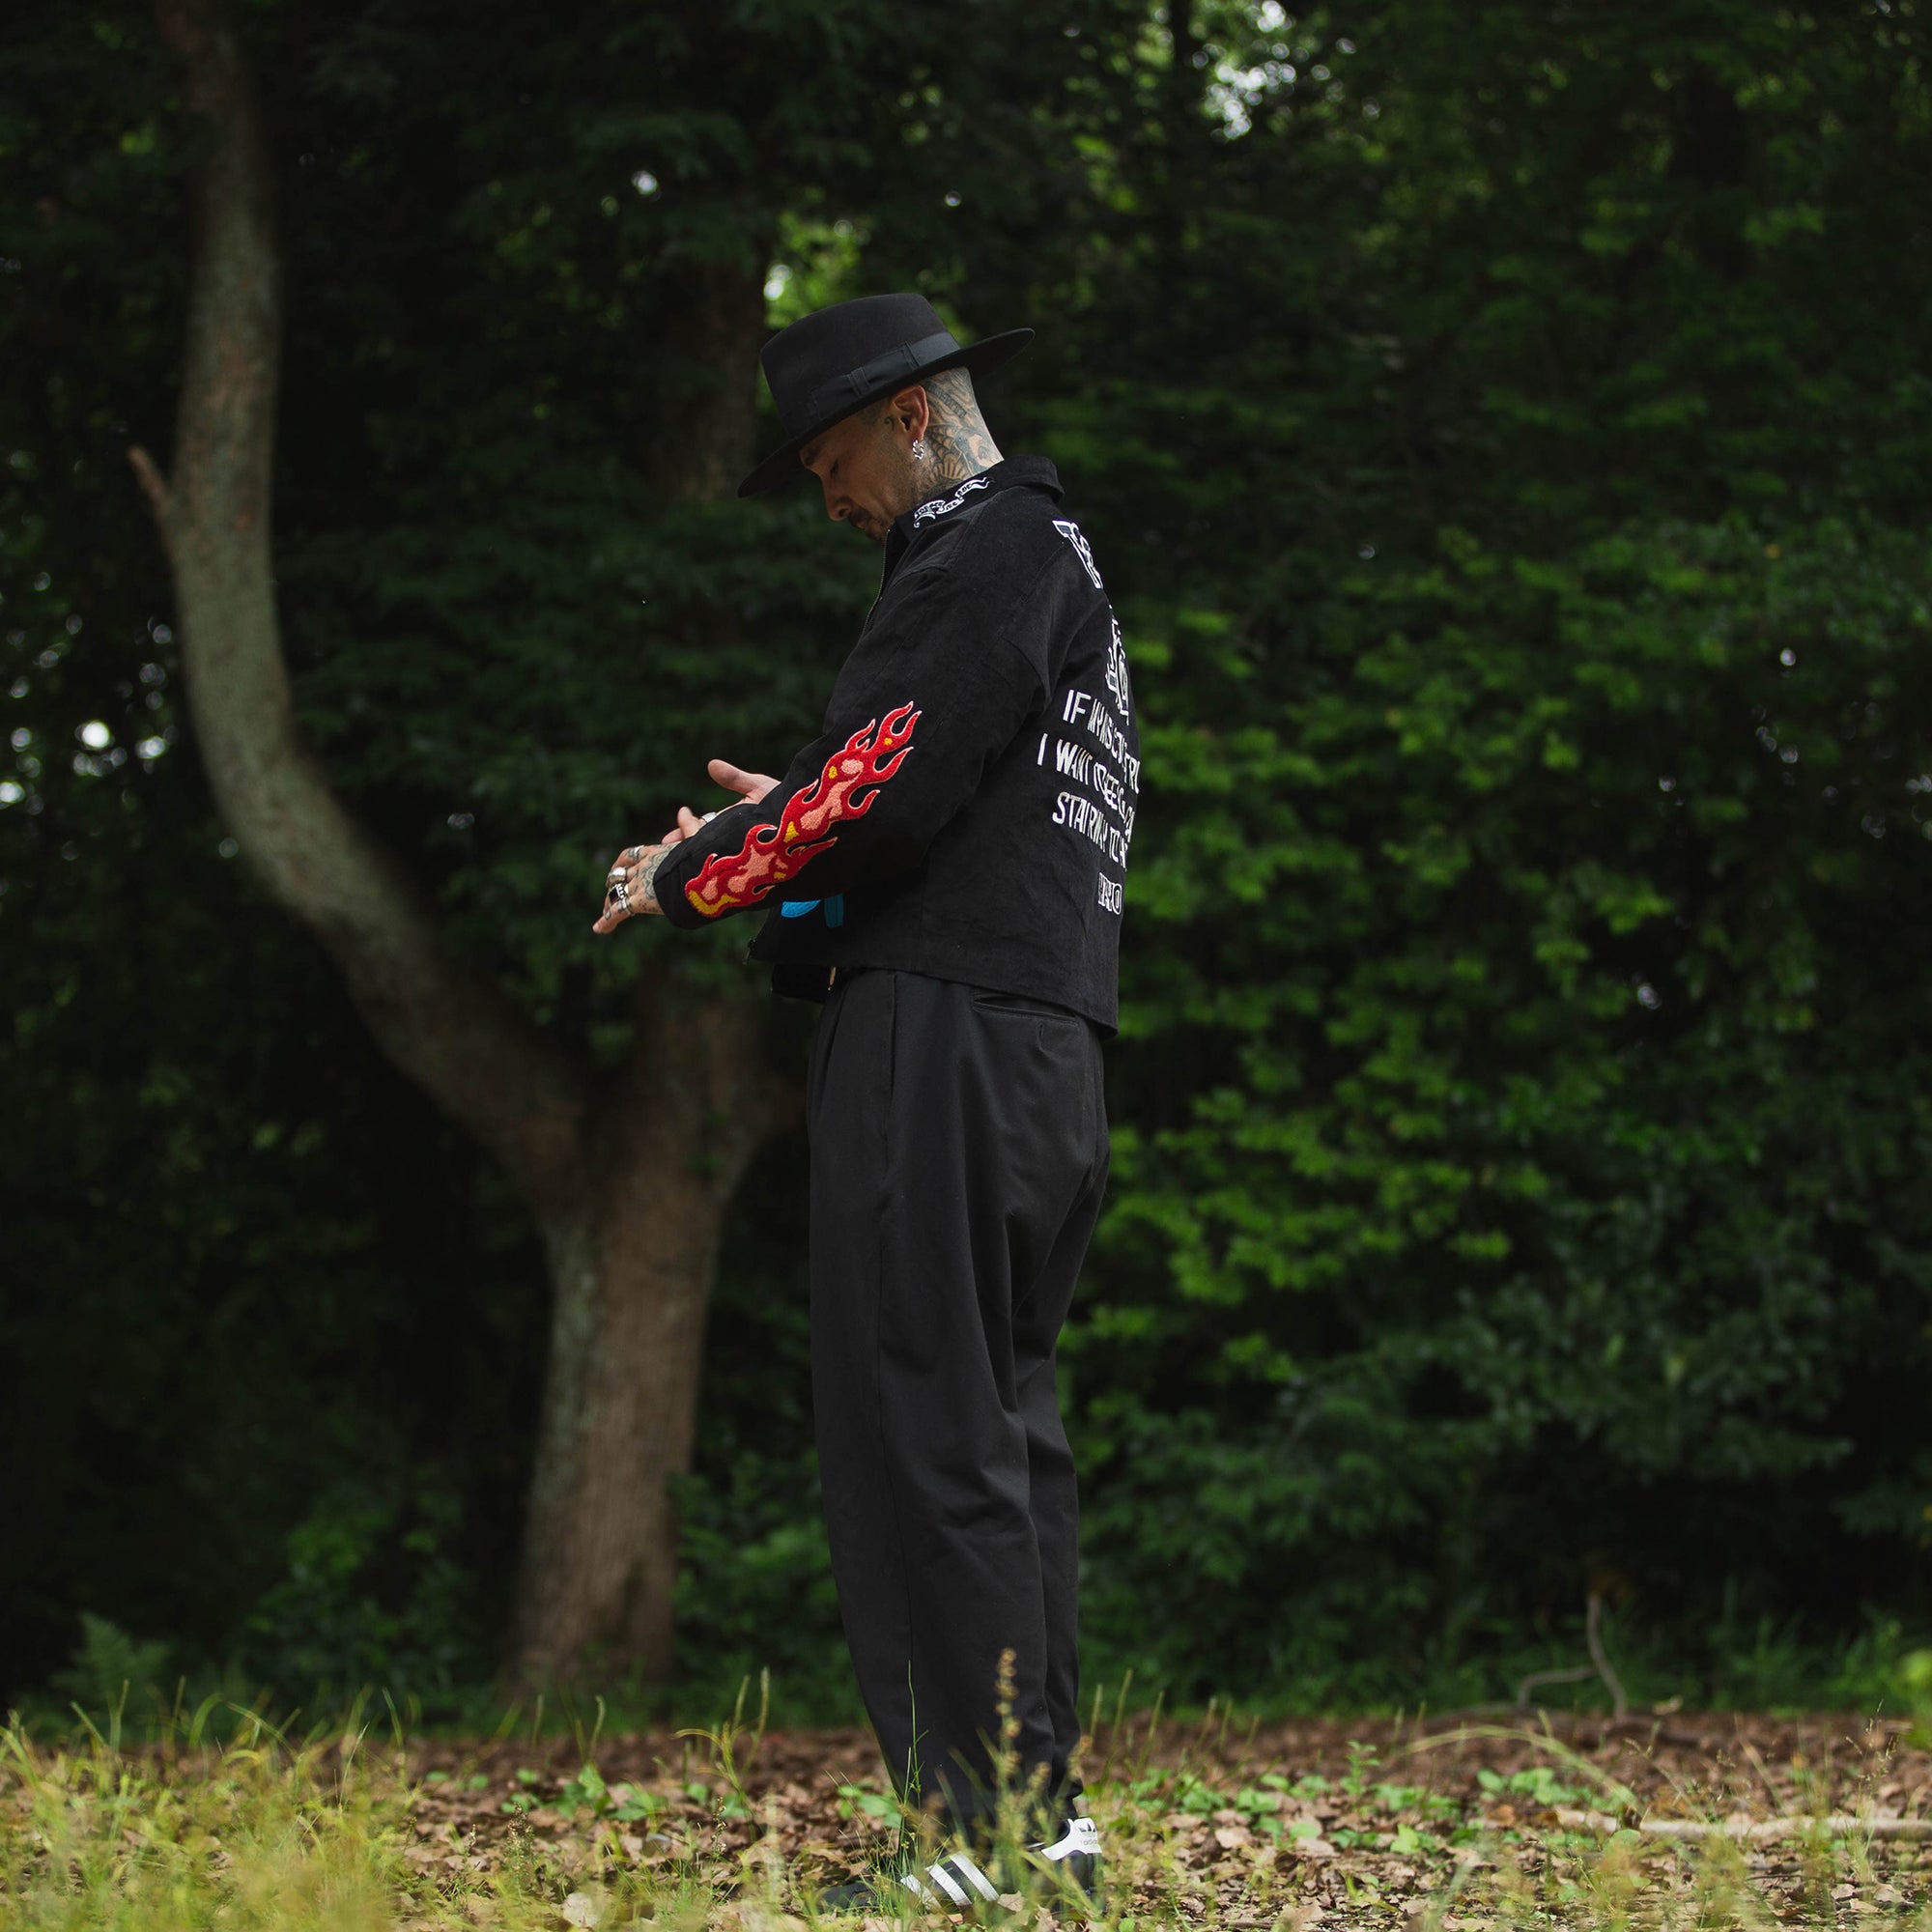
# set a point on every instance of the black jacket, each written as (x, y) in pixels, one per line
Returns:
(967, 811)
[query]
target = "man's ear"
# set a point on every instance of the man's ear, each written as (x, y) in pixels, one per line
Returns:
(912, 409)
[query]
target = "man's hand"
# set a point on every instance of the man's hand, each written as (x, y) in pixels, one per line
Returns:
(751, 786)
(627, 891)
(628, 888)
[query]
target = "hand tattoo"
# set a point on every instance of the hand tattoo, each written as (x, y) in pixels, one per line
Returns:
(631, 888)
(645, 888)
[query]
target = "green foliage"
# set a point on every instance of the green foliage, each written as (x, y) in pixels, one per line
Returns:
(1506, 437)
(1915, 1684)
(1519, 1088)
(756, 1590)
(1533, 1029)
(111, 1671)
(372, 1597)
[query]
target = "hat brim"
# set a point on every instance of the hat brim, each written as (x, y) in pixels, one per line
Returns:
(783, 466)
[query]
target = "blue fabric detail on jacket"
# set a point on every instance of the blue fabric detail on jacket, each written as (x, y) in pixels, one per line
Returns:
(834, 908)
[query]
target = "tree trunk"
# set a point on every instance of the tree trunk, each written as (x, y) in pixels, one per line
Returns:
(706, 379)
(631, 1261)
(630, 1186)
(631, 1268)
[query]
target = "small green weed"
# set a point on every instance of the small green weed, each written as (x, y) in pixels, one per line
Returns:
(1538, 1784)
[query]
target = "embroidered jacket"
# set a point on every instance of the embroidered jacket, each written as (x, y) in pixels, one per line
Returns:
(967, 809)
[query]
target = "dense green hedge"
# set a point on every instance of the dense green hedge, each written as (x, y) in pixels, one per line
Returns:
(1507, 438)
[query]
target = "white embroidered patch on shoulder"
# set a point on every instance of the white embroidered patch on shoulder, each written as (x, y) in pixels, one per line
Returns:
(942, 506)
(1117, 668)
(1077, 538)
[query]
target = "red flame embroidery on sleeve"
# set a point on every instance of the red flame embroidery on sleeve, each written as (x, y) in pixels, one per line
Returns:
(772, 854)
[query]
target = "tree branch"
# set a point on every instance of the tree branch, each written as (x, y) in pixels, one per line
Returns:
(154, 486)
(457, 1036)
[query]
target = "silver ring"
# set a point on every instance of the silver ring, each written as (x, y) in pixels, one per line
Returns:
(620, 893)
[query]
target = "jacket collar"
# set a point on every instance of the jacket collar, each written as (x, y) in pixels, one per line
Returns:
(1027, 472)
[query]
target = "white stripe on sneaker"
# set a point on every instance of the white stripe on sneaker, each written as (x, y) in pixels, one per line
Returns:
(947, 1883)
(980, 1883)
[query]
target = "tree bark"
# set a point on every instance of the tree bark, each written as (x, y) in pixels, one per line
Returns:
(631, 1269)
(708, 381)
(629, 1185)
(446, 1029)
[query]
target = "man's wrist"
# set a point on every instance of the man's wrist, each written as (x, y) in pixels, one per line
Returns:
(647, 872)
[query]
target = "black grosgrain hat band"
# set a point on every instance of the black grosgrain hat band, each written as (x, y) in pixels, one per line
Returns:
(831, 363)
(847, 392)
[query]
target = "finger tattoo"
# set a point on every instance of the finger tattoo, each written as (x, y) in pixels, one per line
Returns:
(628, 887)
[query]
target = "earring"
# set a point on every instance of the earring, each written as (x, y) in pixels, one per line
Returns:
(918, 449)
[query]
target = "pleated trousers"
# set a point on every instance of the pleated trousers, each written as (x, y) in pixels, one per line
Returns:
(958, 1161)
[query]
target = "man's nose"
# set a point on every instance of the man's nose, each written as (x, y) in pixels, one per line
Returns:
(837, 505)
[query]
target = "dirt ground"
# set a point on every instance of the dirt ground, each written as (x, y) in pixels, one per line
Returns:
(1320, 1819)
(1683, 1765)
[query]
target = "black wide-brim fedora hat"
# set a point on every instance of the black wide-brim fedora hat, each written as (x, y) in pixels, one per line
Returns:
(838, 359)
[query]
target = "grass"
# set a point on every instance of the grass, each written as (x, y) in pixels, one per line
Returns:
(1216, 1823)
(1735, 1663)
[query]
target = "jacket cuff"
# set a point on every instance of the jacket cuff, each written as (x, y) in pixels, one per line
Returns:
(686, 859)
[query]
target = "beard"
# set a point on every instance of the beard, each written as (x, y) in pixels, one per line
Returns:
(894, 487)
(869, 527)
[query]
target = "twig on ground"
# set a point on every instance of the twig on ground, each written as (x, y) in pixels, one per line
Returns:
(1599, 1665)
(1762, 1831)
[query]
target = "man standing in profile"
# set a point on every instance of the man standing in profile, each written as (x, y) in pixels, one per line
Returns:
(943, 866)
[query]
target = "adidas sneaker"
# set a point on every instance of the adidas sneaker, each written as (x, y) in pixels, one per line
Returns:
(1076, 1854)
(944, 1885)
(956, 1880)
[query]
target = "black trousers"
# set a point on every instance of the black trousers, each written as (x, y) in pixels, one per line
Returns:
(958, 1159)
